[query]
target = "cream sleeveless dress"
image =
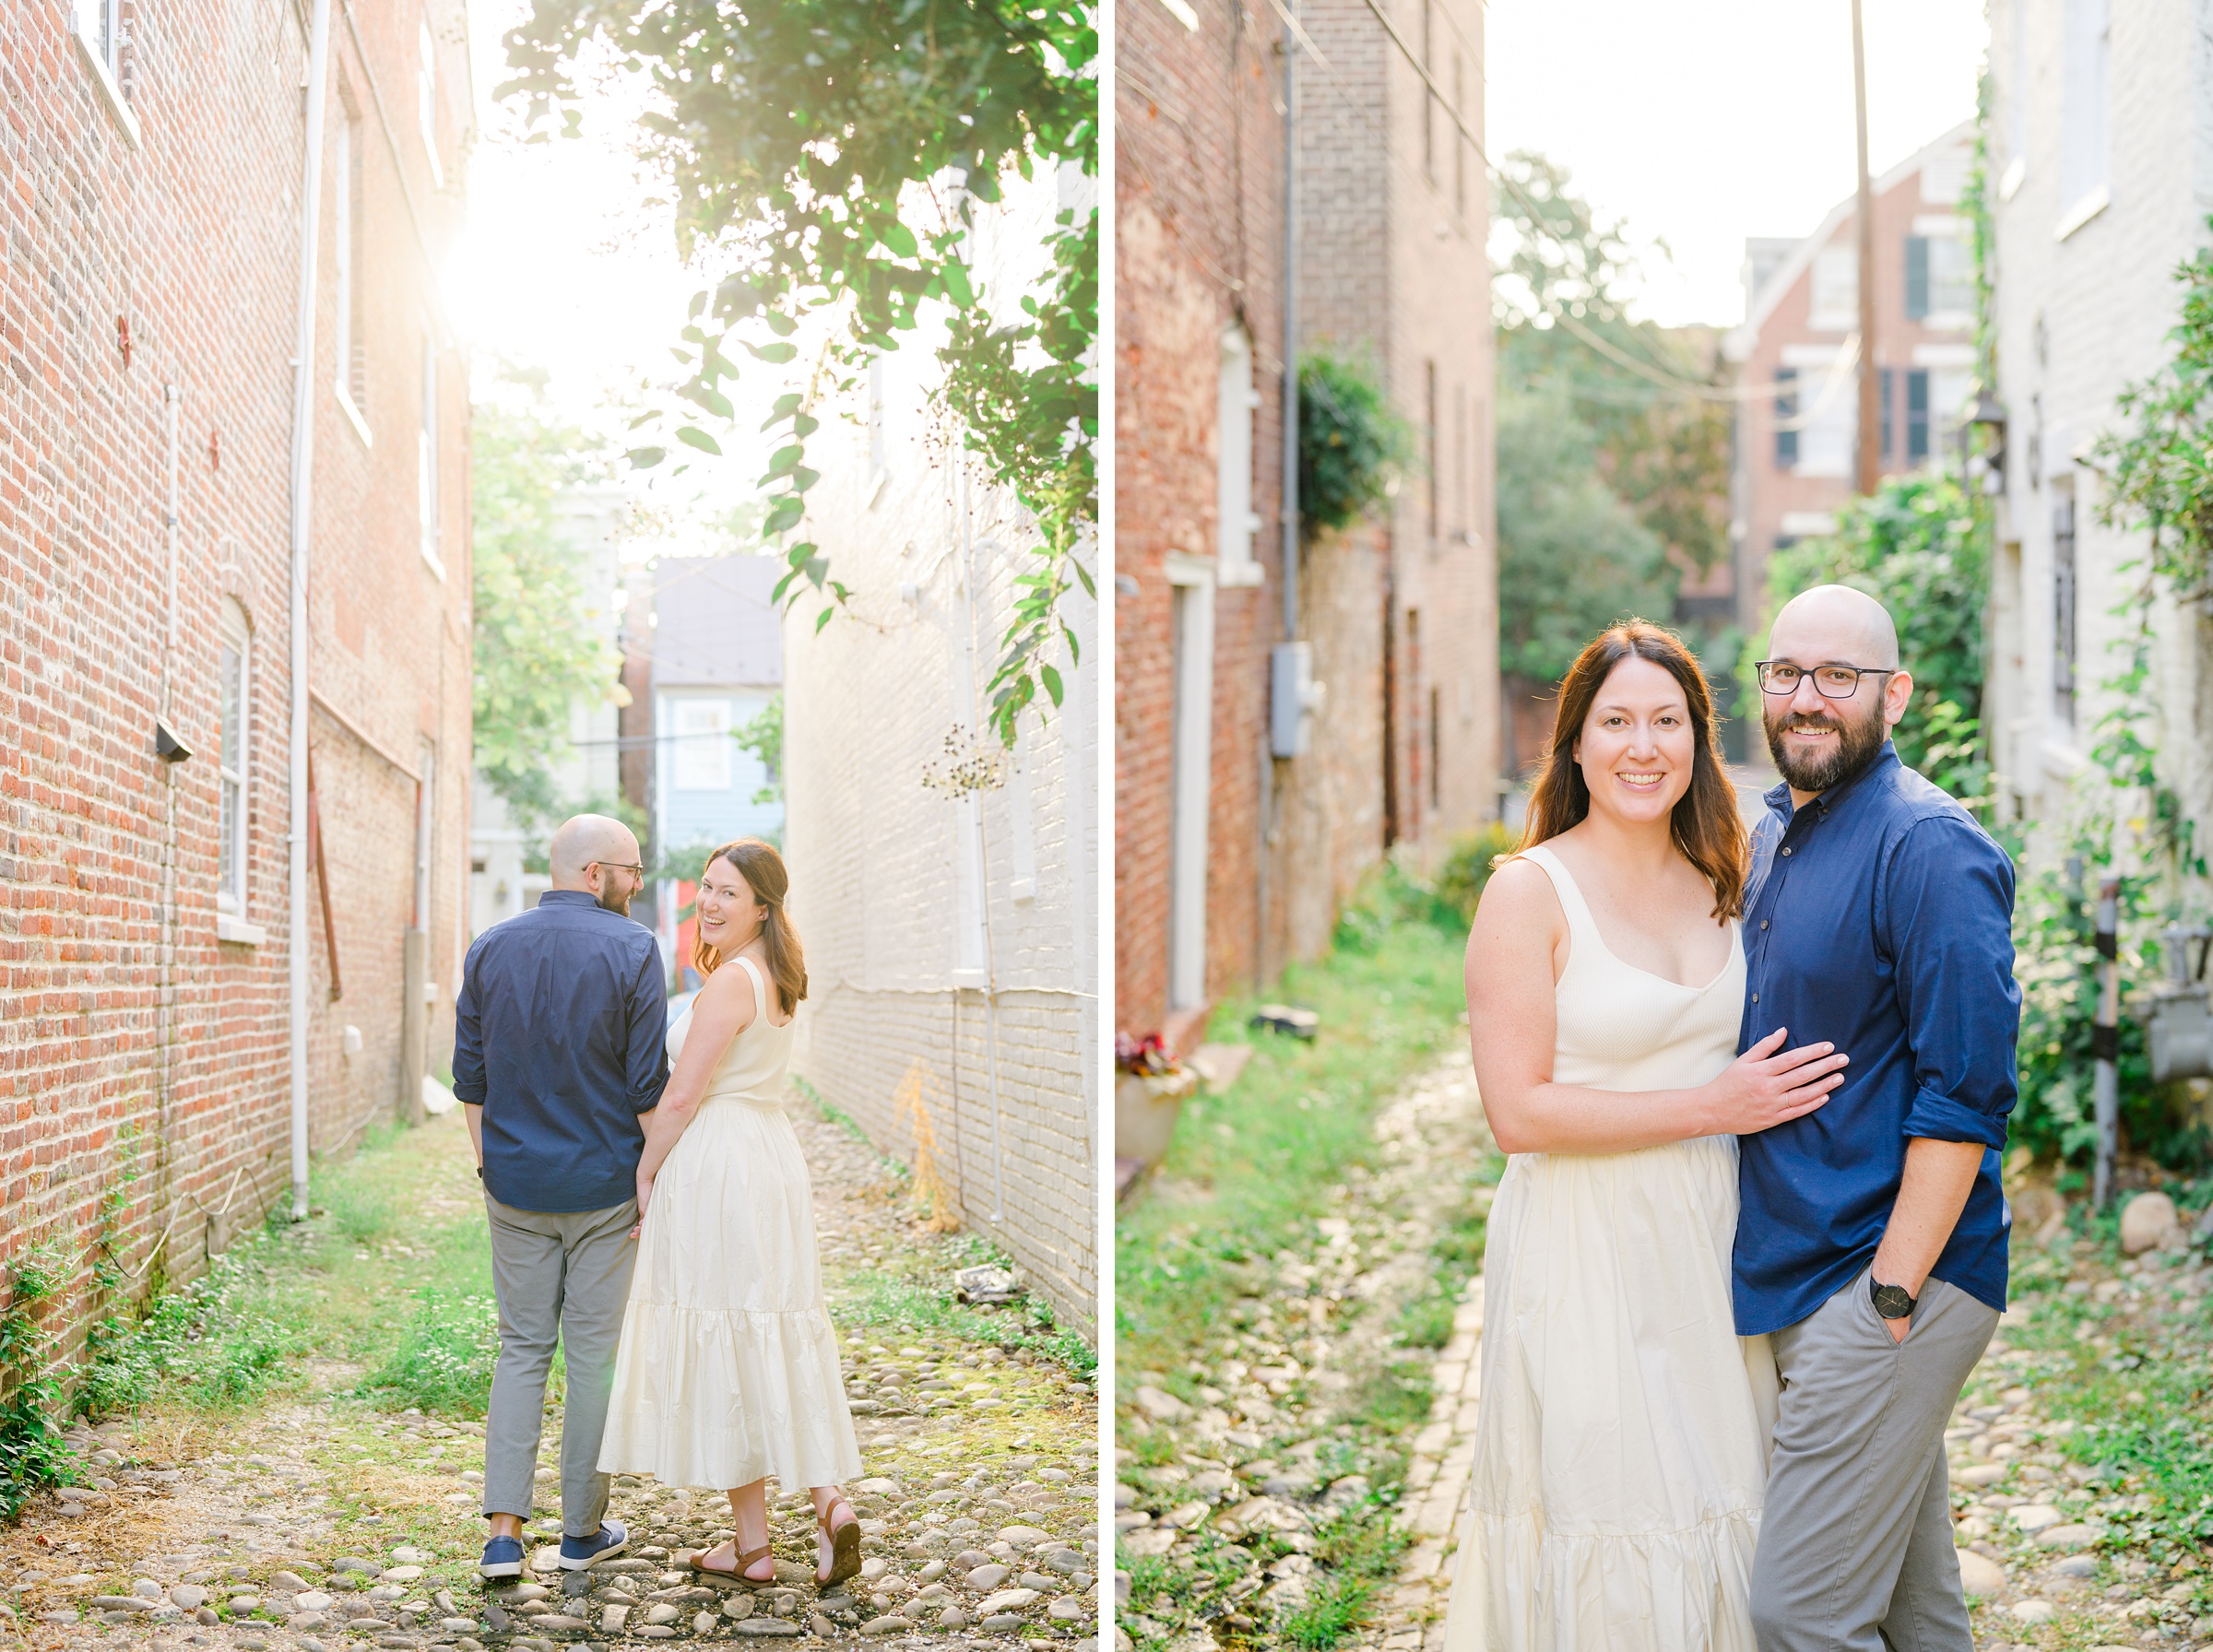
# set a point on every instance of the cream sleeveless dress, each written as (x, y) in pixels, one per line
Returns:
(1622, 1431)
(728, 1368)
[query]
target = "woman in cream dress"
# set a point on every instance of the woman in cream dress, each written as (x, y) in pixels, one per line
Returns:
(727, 1371)
(1621, 1439)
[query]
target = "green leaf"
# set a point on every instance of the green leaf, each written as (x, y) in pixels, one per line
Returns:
(693, 436)
(955, 275)
(773, 352)
(898, 239)
(1053, 682)
(646, 458)
(821, 619)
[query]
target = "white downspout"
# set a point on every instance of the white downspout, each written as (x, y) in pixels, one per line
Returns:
(303, 461)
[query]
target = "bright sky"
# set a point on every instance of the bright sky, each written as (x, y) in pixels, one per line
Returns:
(1704, 121)
(563, 267)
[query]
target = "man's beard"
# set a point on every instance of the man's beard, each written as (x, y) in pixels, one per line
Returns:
(1858, 739)
(618, 904)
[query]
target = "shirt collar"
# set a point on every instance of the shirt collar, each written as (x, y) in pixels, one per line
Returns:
(568, 897)
(1777, 797)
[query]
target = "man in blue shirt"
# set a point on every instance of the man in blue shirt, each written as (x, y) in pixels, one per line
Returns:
(559, 1046)
(1871, 1242)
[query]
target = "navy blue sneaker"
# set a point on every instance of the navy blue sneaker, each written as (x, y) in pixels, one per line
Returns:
(503, 1558)
(609, 1540)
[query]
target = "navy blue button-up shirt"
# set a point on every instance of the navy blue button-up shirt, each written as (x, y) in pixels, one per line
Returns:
(560, 1034)
(1880, 919)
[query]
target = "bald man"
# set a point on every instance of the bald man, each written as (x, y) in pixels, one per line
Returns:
(559, 1046)
(1871, 1239)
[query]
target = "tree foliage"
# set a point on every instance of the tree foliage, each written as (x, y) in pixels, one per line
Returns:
(1572, 557)
(823, 157)
(1561, 297)
(540, 648)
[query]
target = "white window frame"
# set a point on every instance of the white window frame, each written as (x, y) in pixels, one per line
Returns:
(344, 273)
(1832, 297)
(2086, 129)
(693, 748)
(234, 774)
(97, 27)
(426, 98)
(1236, 402)
(426, 460)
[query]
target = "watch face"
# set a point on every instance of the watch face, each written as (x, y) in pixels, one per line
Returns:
(1892, 1303)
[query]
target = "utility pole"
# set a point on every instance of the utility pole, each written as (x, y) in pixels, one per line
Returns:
(1869, 468)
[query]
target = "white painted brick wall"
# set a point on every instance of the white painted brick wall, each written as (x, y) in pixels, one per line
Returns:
(877, 858)
(2077, 320)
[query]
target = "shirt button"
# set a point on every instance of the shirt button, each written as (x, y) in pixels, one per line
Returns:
(1786, 851)
(1756, 997)
(1763, 923)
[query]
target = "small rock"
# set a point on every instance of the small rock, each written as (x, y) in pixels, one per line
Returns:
(1067, 1609)
(207, 1615)
(953, 1618)
(987, 1578)
(1979, 1575)
(656, 1632)
(766, 1626)
(612, 1619)
(663, 1613)
(2034, 1611)
(190, 1596)
(892, 1624)
(702, 1621)
(554, 1619)
(306, 1601)
(121, 1603)
(1022, 1536)
(1160, 1405)
(821, 1625)
(2148, 1220)
(287, 1582)
(2075, 1565)
(1982, 1474)
(1007, 1601)
(2033, 1517)
(1000, 1624)
(400, 1575)
(2072, 1535)
(146, 1588)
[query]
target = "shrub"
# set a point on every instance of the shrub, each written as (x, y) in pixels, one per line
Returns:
(1352, 444)
(1468, 865)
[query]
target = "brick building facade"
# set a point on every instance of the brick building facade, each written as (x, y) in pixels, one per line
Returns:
(1229, 859)
(951, 935)
(1795, 444)
(148, 286)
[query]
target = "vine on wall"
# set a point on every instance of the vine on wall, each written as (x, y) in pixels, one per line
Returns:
(805, 140)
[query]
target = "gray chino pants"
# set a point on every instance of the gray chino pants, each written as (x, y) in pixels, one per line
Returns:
(1855, 1542)
(565, 1278)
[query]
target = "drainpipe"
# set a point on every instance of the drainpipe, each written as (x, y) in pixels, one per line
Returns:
(1290, 490)
(983, 879)
(303, 458)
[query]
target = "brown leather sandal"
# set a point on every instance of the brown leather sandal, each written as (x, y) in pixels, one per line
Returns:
(747, 1560)
(845, 1543)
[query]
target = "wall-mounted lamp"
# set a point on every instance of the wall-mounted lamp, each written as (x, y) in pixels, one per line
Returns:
(167, 747)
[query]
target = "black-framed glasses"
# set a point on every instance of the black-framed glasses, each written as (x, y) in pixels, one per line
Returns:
(1832, 682)
(621, 865)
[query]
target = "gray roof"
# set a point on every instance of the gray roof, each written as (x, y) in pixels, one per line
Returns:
(716, 627)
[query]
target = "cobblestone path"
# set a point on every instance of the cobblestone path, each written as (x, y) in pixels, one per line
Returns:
(322, 1524)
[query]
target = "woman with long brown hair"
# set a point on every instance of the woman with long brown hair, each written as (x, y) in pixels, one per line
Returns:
(727, 1371)
(1620, 1450)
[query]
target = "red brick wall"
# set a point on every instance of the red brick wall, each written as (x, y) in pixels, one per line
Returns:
(1199, 182)
(192, 239)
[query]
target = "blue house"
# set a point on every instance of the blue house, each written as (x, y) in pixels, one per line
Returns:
(717, 665)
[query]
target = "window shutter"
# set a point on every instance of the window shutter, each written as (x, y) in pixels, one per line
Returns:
(1786, 414)
(1917, 276)
(1917, 416)
(1883, 396)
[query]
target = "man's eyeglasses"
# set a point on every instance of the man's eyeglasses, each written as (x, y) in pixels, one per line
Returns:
(621, 866)
(1832, 682)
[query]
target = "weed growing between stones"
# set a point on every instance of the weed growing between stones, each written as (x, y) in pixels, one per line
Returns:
(443, 1363)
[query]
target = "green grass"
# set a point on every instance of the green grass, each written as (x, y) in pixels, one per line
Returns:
(1357, 1555)
(400, 1218)
(1250, 1170)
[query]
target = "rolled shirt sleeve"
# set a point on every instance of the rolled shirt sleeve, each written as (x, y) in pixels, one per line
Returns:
(468, 1037)
(646, 1056)
(1947, 924)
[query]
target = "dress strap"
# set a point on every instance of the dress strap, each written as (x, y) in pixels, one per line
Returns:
(1581, 924)
(762, 995)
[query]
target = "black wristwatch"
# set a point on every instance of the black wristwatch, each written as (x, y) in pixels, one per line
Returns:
(1890, 1300)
